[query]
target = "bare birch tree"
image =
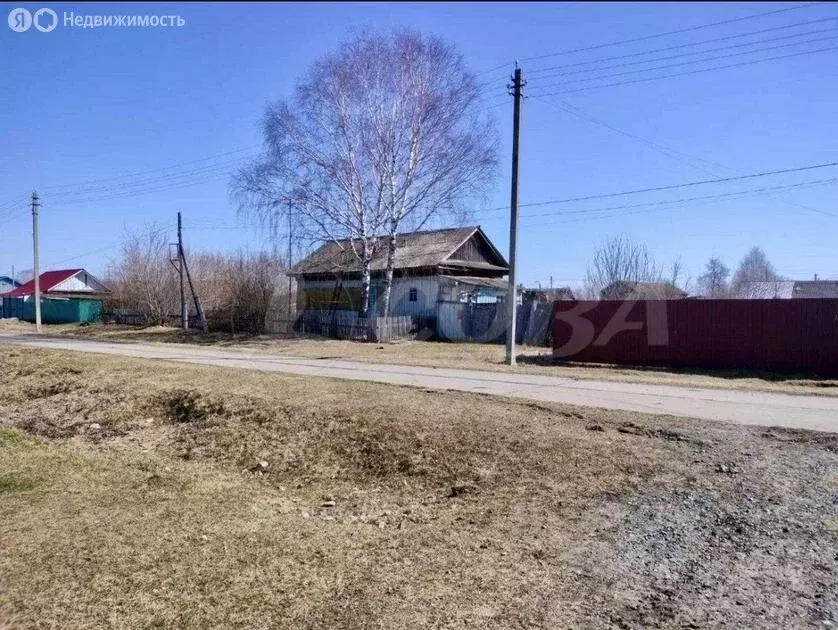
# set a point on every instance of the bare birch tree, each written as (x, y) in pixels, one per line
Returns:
(379, 137)
(437, 147)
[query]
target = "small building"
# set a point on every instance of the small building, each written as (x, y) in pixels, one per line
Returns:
(7, 283)
(436, 273)
(67, 296)
(631, 290)
(787, 290)
(547, 296)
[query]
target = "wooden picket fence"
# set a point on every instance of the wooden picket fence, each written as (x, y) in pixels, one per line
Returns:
(349, 325)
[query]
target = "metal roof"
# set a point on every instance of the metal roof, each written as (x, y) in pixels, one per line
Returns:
(625, 289)
(780, 289)
(788, 289)
(413, 250)
(815, 289)
(48, 281)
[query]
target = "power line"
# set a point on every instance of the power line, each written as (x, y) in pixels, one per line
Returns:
(756, 192)
(653, 206)
(111, 247)
(684, 63)
(574, 111)
(89, 192)
(225, 227)
(674, 47)
(679, 46)
(11, 203)
(498, 104)
(681, 74)
(665, 150)
(675, 32)
(666, 220)
(163, 179)
(10, 206)
(495, 69)
(82, 255)
(153, 170)
(148, 191)
(10, 217)
(638, 191)
(90, 187)
(688, 159)
(700, 52)
(686, 185)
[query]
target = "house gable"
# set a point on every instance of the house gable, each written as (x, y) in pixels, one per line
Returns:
(477, 248)
(80, 282)
(68, 282)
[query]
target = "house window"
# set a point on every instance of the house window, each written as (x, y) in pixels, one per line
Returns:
(413, 295)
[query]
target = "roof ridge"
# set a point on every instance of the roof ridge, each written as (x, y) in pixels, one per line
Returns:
(423, 248)
(49, 280)
(418, 232)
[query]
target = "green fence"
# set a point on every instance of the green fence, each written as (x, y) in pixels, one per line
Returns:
(11, 307)
(53, 311)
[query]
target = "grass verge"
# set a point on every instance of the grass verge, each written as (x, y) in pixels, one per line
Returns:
(146, 494)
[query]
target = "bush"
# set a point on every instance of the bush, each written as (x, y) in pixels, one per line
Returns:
(238, 292)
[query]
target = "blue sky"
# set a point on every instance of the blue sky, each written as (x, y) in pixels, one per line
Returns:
(85, 110)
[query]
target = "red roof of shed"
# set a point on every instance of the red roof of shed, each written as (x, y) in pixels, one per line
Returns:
(48, 280)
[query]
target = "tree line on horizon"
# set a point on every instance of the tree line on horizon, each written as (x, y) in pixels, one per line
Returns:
(622, 260)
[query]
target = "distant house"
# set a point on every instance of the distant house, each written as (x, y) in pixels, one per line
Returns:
(787, 290)
(67, 296)
(629, 290)
(7, 284)
(815, 289)
(543, 296)
(433, 270)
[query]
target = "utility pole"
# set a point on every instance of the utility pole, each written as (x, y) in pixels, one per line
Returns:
(198, 308)
(511, 307)
(184, 268)
(290, 280)
(184, 309)
(35, 205)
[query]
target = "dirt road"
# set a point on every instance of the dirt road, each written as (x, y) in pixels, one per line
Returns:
(806, 412)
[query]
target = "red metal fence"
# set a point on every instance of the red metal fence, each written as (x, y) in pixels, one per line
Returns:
(787, 335)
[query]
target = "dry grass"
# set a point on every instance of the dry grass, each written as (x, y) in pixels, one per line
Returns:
(386, 506)
(474, 356)
(12, 324)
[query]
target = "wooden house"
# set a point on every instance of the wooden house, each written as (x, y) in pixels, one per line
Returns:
(433, 267)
